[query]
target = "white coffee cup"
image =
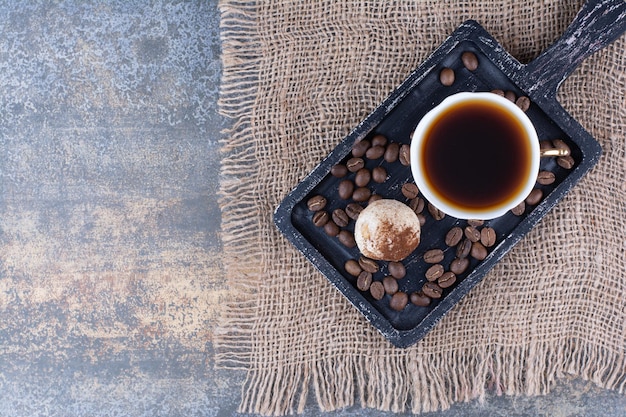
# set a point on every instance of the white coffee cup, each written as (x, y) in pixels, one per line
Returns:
(475, 156)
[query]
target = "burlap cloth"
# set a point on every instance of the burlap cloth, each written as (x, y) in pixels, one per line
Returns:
(298, 76)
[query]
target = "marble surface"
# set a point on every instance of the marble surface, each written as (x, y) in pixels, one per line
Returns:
(110, 276)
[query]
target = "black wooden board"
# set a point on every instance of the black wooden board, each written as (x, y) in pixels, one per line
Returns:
(597, 24)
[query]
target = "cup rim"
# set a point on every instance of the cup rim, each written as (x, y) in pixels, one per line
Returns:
(417, 139)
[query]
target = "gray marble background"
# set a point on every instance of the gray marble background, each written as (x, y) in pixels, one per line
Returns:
(110, 276)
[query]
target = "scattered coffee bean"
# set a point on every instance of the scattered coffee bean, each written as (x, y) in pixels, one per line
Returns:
(519, 209)
(346, 188)
(545, 144)
(398, 301)
(316, 203)
(470, 60)
(339, 171)
(419, 299)
(479, 251)
(361, 194)
(374, 197)
(566, 162)
(340, 217)
(534, 197)
(354, 164)
(488, 236)
(432, 290)
(331, 229)
(410, 190)
(360, 147)
(391, 153)
(346, 238)
(375, 152)
(404, 155)
(560, 144)
(546, 177)
(352, 267)
(523, 103)
(472, 233)
(391, 285)
(364, 281)
(435, 212)
(499, 92)
(377, 290)
(320, 218)
(463, 248)
(434, 272)
(510, 95)
(422, 219)
(417, 205)
(368, 264)
(379, 140)
(475, 222)
(397, 270)
(459, 265)
(379, 175)
(446, 77)
(447, 279)
(454, 236)
(433, 256)
(362, 177)
(353, 210)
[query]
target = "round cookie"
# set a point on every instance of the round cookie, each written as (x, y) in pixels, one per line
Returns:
(387, 230)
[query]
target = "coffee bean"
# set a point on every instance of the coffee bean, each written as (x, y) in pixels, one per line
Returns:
(419, 299)
(353, 210)
(339, 171)
(446, 77)
(360, 147)
(498, 92)
(519, 209)
(364, 281)
(316, 203)
(534, 197)
(362, 177)
(379, 140)
(361, 194)
(320, 218)
(463, 249)
(459, 265)
(397, 270)
(398, 301)
(510, 95)
(374, 197)
(331, 229)
(432, 290)
(417, 205)
(375, 152)
(391, 153)
(566, 162)
(478, 251)
(346, 238)
(434, 272)
(433, 256)
(546, 177)
(447, 279)
(475, 222)
(472, 233)
(340, 217)
(488, 236)
(377, 290)
(346, 188)
(352, 267)
(560, 144)
(404, 155)
(391, 285)
(410, 190)
(523, 103)
(422, 219)
(435, 212)
(454, 236)
(470, 60)
(545, 144)
(354, 164)
(379, 175)
(368, 264)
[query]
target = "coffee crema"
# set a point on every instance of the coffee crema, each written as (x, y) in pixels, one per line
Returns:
(476, 155)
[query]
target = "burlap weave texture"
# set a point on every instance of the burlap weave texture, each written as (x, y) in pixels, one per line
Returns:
(298, 76)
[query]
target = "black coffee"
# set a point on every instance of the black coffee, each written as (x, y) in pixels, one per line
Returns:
(476, 155)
